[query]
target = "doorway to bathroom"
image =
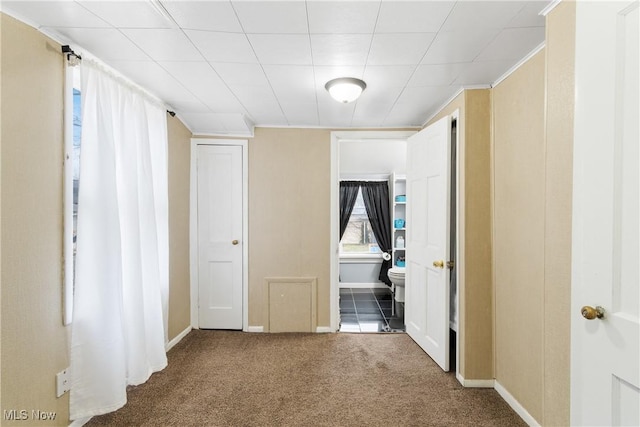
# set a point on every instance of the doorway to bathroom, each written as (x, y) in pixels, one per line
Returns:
(365, 302)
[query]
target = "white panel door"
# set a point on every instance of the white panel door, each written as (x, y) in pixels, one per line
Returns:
(220, 239)
(427, 278)
(605, 357)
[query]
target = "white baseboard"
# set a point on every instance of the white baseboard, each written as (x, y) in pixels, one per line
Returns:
(323, 330)
(475, 383)
(515, 405)
(257, 329)
(177, 339)
(362, 285)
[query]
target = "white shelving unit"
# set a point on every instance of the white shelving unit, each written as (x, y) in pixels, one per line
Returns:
(398, 211)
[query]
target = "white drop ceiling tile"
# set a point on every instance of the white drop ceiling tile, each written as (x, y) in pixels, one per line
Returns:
(106, 44)
(128, 14)
(256, 98)
(301, 114)
(387, 75)
(377, 111)
(420, 96)
(221, 102)
(297, 77)
(340, 49)
(156, 80)
(223, 47)
(467, 15)
(203, 82)
(459, 46)
(379, 98)
(335, 17)
(406, 115)
(513, 43)
(436, 74)
(53, 14)
(272, 17)
(236, 124)
(204, 15)
(241, 74)
(284, 49)
(335, 114)
(367, 121)
(291, 95)
(483, 73)
(164, 44)
(412, 16)
(399, 49)
(529, 15)
(369, 116)
(269, 118)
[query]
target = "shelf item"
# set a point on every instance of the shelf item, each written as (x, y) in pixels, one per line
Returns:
(398, 187)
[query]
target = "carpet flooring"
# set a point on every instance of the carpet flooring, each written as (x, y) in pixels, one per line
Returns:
(224, 378)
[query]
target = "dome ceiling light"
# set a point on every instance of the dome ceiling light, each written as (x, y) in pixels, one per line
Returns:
(345, 89)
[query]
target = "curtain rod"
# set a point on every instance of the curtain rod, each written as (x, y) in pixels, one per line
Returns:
(72, 57)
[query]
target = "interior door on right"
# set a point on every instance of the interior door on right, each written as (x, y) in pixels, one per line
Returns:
(605, 290)
(427, 243)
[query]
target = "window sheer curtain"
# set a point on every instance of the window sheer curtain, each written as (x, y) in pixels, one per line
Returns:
(119, 329)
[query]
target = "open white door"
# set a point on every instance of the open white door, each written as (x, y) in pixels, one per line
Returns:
(427, 275)
(220, 236)
(605, 358)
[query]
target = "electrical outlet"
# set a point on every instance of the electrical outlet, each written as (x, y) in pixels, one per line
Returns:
(62, 382)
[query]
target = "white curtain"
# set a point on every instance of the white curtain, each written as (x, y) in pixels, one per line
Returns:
(119, 332)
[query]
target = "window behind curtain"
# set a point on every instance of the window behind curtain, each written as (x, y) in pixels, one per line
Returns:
(73, 136)
(77, 133)
(358, 237)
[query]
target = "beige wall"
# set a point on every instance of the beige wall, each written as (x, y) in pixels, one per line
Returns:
(289, 231)
(533, 141)
(179, 166)
(519, 210)
(474, 268)
(560, 51)
(34, 342)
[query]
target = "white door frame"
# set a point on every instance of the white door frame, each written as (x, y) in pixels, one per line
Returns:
(334, 212)
(193, 226)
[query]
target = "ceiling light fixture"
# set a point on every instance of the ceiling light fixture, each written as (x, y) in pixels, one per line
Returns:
(345, 89)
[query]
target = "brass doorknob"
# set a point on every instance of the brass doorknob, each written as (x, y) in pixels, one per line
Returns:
(234, 242)
(591, 313)
(438, 264)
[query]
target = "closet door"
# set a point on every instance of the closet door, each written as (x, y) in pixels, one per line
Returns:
(220, 239)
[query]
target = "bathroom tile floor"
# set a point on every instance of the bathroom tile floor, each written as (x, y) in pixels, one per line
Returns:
(370, 310)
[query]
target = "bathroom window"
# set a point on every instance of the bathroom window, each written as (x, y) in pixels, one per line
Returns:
(358, 238)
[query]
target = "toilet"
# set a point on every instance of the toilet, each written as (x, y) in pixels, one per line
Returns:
(396, 275)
